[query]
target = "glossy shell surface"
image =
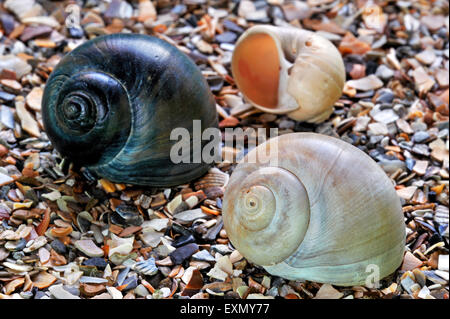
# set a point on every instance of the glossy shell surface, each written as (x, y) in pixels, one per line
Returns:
(111, 104)
(326, 212)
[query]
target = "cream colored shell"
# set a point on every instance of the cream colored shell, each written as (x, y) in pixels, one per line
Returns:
(311, 74)
(325, 213)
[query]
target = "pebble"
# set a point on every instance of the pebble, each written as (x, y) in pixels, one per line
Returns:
(386, 116)
(59, 292)
(384, 72)
(406, 192)
(377, 129)
(443, 263)
(226, 37)
(176, 205)
(58, 246)
(407, 283)
(115, 294)
(16, 245)
(88, 247)
(203, 255)
(182, 253)
(420, 136)
(433, 277)
(30, 33)
(129, 214)
(367, 83)
(15, 64)
(146, 267)
(29, 124)
(141, 291)
(190, 215)
(98, 262)
(420, 277)
(34, 98)
(327, 291)
(183, 240)
(158, 224)
(385, 96)
(92, 280)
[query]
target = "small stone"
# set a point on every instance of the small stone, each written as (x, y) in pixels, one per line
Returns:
(58, 246)
(11, 85)
(29, 124)
(90, 290)
(129, 214)
(37, 243)
(384, 72)
(386, 116)
(217, 273)
(422, 80)
(16, 245)
(59, 292)
(225, 264)
(5, 179)
(88, 247)
(130, 231)
(121, 246)
(424, 293)
(203, 255)
(15, 64)
(190, 215)
(420, 277)
(439, 150)
(420, 167)
(226, 37)
(183, 240)
(43, 280)
(182, 253)
(34, 98)
(404, 126)
(116, 294)
(433, 22)
(141, 291)
(35, 32)
(427, 56)
(107, 186)
(150, 237)
(406, 192)
(407, 283)
(98, 262)
(378, 129)
(443, 262)
(367, 83)
(420, 136)
(176, 205)
(92, 280)
(433, 277)
(410, 262)
(146, 267)
(146, 11)
(158, 224)
(327, 291)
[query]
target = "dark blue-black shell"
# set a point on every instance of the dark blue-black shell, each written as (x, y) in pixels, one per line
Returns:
(111, 104)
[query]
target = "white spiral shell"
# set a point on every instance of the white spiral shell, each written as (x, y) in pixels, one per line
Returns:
(325, 213)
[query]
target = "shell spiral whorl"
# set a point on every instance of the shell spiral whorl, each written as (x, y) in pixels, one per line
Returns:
(111, 104)
(261, 212)
(324, 213)
(91, 111)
